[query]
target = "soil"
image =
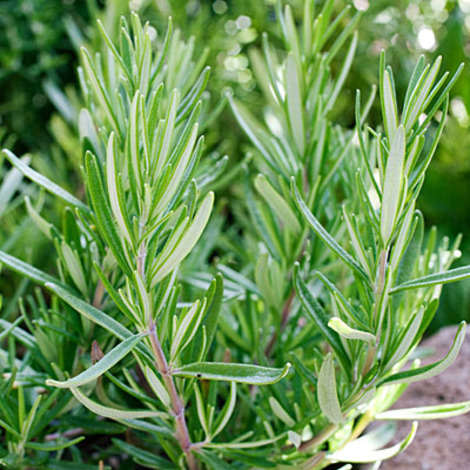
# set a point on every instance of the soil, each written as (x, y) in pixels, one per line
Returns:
(438, 444)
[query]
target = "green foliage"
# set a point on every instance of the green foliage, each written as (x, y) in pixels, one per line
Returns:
(264, 331)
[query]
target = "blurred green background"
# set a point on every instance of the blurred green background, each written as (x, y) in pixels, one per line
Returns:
(39, 95)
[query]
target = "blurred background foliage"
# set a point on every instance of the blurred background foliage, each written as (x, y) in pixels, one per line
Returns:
(39, 96)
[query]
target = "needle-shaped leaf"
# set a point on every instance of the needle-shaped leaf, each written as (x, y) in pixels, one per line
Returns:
(232, 372)
(187, 241)
(44, 182)
(227, 411)
(407, 338)
(277, 203)
(41, 223)
(53, 446)
(357, 452)
(114, 189)
(389, 106)
(325, 236)
(294, 103)
(422, 413)
(102, 208)
(280, 412)
(114, 413)
(157, 386)
(186, 330)
(346, 331)
(90, 312)
(144, 457)
(99, 90)
(431, 370)
(27, 270)
(392, 183)
(316, 313)
(326, 393)
(98, 369)
(453, 275)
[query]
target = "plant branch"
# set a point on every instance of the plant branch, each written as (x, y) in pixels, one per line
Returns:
(182, 433)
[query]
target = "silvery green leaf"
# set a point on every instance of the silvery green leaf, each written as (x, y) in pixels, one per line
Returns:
(167, 133)
(87, 129)
(431, 370)
(53, 446)
(214, 295)
(292, 36)
(112, 48)
(44, 182)
(426, 412)
(114, 413)
(241, 281)
(74, 266)
(231, 372)
(181, 164)
(280, 412)
(453, 275)
(115, 198)
(143, 457)
(444, 96)
(157, 386)
(40, 222)
(350, 333)
(401, 244)
(99, 90)
(28, 271)
(252, 128)
(12, 328)
(201, 412)
(90, 312)
(421, 92)
(227, 411)
(356, 452)
(325, 236)
(295, 438)
(134, 141)
(261, 75)
(268, 276)
(245, 445)
(98, 369)
(392, 184)
(294, 103)
(343, 36)
(390, 111)
(191, 319)
(356, 241)
(326, 393)
(316, 312)
(189, 102)
(103, 213)
(343, 74)
(278, 204)
(10, 184)
(307, 26)
(145, 64)
(338, 298)
(187, 241)
(60, 101)
(406, 341)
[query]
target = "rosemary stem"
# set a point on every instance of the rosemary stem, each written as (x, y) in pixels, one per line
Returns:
(182, 433)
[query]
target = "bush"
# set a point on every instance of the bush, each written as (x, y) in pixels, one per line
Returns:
(268, 335)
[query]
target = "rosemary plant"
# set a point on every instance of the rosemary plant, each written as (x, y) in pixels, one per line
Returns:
(333, 273)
